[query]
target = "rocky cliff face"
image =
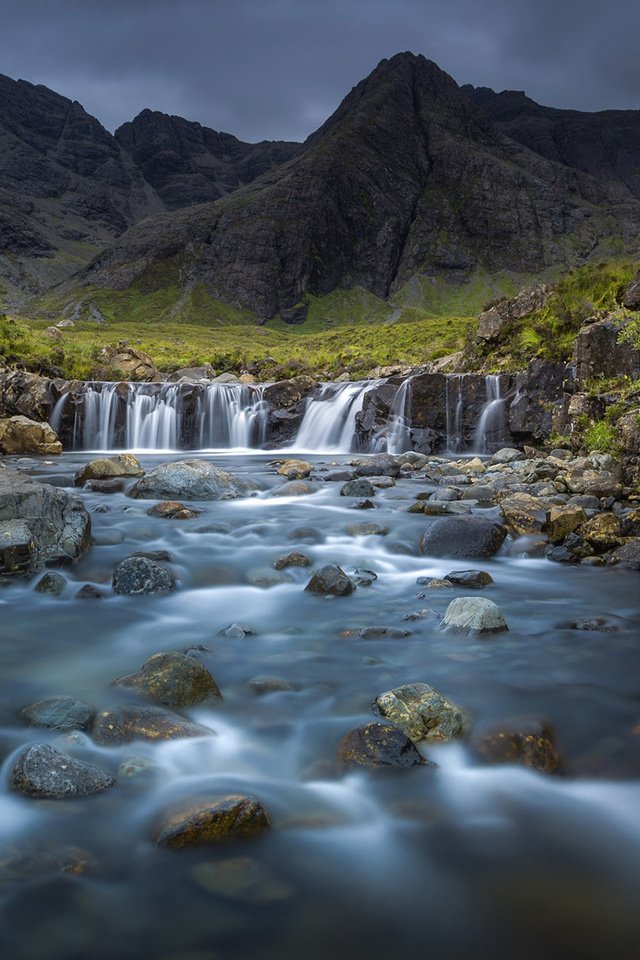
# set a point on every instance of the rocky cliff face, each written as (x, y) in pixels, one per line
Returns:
(187, 163)
(605, 145)
(407, 177)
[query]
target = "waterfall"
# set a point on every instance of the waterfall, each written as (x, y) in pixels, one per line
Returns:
(454, 408)
(490, 432)
(398, 428)
(231, 415)
(329, 420)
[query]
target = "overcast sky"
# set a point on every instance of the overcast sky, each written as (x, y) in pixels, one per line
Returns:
(277, 68)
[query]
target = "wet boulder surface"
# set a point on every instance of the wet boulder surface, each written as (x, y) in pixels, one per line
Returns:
(44, 773)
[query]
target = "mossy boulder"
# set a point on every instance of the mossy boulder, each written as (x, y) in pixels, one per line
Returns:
(109, 468)
(213, 820)
(172, 679)
(421, 713)
(113, 727)
(528, 744)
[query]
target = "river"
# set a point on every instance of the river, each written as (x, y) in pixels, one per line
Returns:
(455, 862)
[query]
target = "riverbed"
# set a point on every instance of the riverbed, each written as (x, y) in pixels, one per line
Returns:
(458, 861)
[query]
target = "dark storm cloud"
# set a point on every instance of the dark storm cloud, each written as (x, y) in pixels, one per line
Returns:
(278, 68)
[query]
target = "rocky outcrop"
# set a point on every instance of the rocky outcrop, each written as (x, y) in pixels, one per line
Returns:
(126, 363)
(598, 351)
(493, 322)
(54, 525)
(191, 480)
(20, 435)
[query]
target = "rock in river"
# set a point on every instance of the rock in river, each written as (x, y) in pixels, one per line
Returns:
(474, 614)
(136, 576)
(42, 772)
(59, 713)
(459, 537)
(191, 480)
(213, 820)
(421, 712)
(529, 744)
(109, 468)
(124, 724)
(173, 679)
(473, 579)
(332, 581)
(377, 745)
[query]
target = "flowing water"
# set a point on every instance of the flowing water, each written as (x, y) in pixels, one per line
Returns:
(457, 862)
(490, 432)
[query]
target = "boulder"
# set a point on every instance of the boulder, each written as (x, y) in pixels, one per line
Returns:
(205, 372)
(294, 469)
(172, 679)
(562, 521)
(627, 556)
(105, 486)
(631, 295)
(629, 431)
(59, 525)
(496, 320)
(53, 584)
(59, 713)
(367, 530)
(136, 576)
(126, 363)
(172, 510)
(474, 614)
(421, 712)
(20, 435)
(358, 488)
(330, 580)
(377, 465)
(191, 480)
(42, 772)
(286, 393)
(294, 488)
(108, 468)
(123, 724)
(461, 537)
(213, 820)
(265, 685)
(598, 351)
(473, 579)
(524, 514)
(529, 744)
(375, 746)
(293, 559)
(17, 547)
(602, 532)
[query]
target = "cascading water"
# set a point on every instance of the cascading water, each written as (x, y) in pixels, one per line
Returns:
(330, 419)
(454, 407)
(231, 415)
(491, 429)
(398, 438)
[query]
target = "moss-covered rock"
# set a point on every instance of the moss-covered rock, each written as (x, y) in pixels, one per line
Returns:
(214, 820)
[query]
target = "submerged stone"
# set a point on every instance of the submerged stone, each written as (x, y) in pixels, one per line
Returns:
(124, 724)
(173, 679)
(136, 576)
(211, 821)
(375, 746)
(330, 580)
(59, 713)
(42, 772)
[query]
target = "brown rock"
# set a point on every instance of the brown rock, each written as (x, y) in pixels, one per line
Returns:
(377, 745)
(524, 514)
(213, 820)
(108, 468)
(124, 724)
(530, 745)
(173, 679)
(20, 435)
(172, 510)
(295, 469)
(602, 532)
(561, 521)
(293, 559)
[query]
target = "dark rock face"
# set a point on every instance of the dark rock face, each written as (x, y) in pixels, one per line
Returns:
(367, 199)
(187, 163)
(537, 389)
(136, 576)
(466, 536)
(377, 745)
(42, 772)
(605, 145)
(597, 352)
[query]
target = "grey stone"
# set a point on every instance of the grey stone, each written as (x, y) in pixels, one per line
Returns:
(42, 772)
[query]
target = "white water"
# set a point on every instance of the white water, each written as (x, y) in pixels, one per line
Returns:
(329, 420)
(492, 424)
(454, 406)
(398, 432)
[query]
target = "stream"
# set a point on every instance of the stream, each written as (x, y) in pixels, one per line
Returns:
(454, 862)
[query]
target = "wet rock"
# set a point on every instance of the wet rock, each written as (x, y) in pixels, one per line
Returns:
(307, 535)
(59, 713)
(627, 556)
(594, 625)
(432, 583)
(205, 372)
(332, 581)
(602, 532)
(238, 631)
(378, 464)
(524, 514)
(137, 576)
(88, 592)
(436, 508)
(42, 772)
(422, 713)
(53, 584)
(158, 556)
(124, 724)
(474, 614)
(364, 578)
(294, 469)
(377, 746)
(58, 522)
(460, 537)
(20, 435)
(134, 767)
(294, 488)
(363, 505)
(109, 468)
(530, 744)
(475, 579)
(191, 480)
(172, 679)
(240, 879)
(507, 455)
(562, 521)
(172, 510)
(414, 459)
(293, 559)
(17, 547)
(264, 685)
(367, 530)
(105, 486)
(531, 546)
(358, 488)
(375, 633)
(213, 820)
(287, 393)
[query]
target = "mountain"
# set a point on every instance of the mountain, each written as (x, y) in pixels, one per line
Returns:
(605, 144)
(187, 163)
(408, 178)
